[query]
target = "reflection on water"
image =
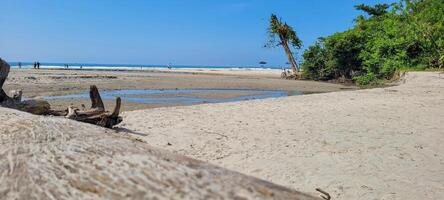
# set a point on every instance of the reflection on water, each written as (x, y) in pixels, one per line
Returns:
(179, 96)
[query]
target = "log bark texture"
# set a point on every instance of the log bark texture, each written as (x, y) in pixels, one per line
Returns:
(55, 158)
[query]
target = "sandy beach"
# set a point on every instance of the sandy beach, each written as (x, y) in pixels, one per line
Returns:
(222, 100)
(382, 143)
(52, 82)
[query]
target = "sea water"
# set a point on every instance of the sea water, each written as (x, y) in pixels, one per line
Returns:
(27, 65)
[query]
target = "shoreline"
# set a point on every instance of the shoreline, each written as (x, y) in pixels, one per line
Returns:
(222, 70)
(43, 82)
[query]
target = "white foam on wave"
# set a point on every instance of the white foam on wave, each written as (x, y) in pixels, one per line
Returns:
(159, 68)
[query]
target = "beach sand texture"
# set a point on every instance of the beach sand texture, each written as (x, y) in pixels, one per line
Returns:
(382, 143)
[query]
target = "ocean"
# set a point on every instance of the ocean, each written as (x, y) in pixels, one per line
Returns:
(27, 65)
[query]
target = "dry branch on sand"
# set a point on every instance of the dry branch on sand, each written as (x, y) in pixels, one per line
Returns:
(95, 115)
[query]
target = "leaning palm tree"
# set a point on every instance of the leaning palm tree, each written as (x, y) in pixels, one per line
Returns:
(287, 36)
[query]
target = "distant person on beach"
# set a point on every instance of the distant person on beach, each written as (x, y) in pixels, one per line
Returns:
(35, 65)
(81, 66)
(38, 65)
(19, 65)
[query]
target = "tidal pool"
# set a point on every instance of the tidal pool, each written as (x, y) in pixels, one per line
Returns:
(182, 96)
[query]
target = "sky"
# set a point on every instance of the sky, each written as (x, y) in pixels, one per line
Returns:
(158, 32)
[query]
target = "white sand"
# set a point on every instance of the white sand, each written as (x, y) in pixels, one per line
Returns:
(384, 143)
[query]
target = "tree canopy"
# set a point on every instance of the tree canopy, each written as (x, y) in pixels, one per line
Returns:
(377, 10)
(404, 35)
(281, 34)
(282, 30)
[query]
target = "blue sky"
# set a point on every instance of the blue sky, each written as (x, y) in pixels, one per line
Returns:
(183, 32)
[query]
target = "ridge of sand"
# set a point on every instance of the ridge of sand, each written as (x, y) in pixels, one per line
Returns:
(382, 143)
(56, 158)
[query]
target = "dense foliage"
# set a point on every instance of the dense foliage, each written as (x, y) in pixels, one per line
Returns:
(405, 35)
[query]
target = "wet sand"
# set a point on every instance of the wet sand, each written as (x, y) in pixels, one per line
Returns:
(50, 82)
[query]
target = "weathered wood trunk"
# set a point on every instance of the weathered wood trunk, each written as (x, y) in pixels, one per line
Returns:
(38, 107)
(4, 71)
(59, 159)
(96, 115)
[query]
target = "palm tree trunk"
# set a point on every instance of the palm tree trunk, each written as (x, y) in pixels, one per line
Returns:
(291, 60)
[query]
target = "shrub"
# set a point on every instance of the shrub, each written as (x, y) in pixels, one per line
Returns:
(401, 36)
(368, 79)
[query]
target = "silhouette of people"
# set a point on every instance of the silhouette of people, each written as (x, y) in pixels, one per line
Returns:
(19, 65)
(35, 65)
(38, 65)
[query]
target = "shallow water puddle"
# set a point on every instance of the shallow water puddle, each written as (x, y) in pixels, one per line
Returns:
(182, 96)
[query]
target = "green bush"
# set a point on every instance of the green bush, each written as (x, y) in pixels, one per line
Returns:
(404, 35)
(368, 79)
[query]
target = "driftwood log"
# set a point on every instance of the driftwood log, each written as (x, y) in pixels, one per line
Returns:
(4, 71)
(95, 115)
(31, 106)
(38, 161)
